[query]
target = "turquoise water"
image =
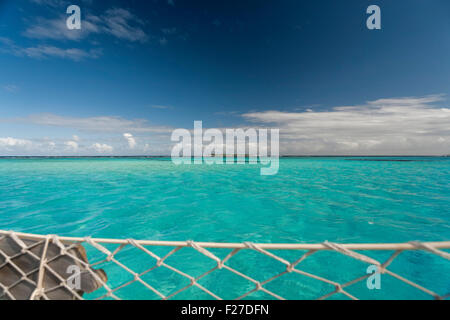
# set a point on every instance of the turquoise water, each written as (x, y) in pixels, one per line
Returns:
(309, 200)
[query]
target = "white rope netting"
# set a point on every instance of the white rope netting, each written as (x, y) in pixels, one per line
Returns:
(35, 266)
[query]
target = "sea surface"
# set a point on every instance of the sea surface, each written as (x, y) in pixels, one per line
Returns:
(310, 200)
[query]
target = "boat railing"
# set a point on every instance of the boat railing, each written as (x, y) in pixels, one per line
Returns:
(33, 262)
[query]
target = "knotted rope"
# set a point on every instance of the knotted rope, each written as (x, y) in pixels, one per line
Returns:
(110, 257)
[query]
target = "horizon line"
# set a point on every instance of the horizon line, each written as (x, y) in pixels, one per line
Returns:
(168, 156)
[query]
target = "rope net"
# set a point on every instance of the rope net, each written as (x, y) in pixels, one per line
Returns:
(50, 267)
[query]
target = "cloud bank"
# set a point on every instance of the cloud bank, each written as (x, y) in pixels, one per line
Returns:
(394, 126)
(101, 124)
(407, 126)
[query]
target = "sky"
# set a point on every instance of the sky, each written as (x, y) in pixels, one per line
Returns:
(137, 70)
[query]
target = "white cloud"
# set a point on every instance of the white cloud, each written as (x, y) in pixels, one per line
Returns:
(45, 51)
(130, 139)
(408, 101)
(75, 138)
(102, 148)
(116, 22)
(13, 142)
(42, 52)
(56, 29)
(58, 147)
(71, 146)
(410, 126)
(106, 124)
(161, 107)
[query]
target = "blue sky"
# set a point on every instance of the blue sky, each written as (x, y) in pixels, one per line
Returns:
(139, 69)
